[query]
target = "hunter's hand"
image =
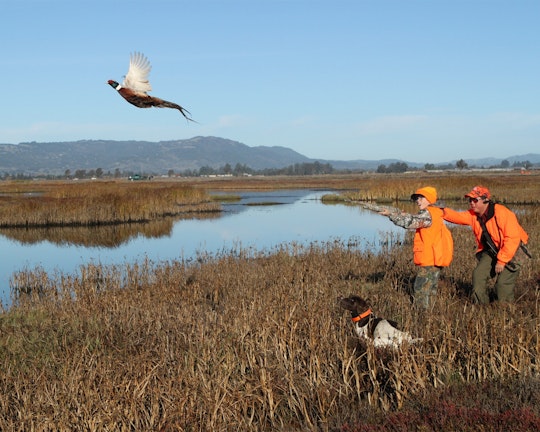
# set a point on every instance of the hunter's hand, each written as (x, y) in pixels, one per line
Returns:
(384, 212)
(499, 268)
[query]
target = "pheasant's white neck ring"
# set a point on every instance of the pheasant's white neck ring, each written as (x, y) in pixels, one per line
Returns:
(118, 87)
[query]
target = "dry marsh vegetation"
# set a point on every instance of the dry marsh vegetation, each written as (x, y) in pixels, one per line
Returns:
(510, 187)
(255, 341)
(46, 204)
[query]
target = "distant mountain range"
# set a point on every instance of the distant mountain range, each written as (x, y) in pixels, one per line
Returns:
(54, 158)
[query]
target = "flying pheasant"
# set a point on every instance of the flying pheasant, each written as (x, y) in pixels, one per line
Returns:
(136, 85)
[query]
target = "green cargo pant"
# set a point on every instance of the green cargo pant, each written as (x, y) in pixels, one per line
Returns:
(484, 271)
(425, 286)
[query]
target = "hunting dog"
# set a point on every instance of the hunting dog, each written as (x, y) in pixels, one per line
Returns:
(380, 332)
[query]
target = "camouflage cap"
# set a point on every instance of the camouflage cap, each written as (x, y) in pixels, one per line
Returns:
(479, 192)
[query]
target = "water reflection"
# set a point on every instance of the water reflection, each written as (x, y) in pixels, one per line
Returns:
(249, 223)
(108, 236)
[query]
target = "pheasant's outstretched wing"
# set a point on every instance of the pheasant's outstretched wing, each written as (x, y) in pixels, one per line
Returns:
(136, 78)
(136, 85)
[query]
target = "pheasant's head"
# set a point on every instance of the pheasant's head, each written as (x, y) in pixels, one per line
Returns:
(113, 84)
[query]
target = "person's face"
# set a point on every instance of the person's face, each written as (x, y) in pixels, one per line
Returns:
(478, 205)
(422, 202)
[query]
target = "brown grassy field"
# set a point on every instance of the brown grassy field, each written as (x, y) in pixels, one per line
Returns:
(255, 341)
(48, 203)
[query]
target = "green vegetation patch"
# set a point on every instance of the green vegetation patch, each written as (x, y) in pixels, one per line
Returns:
(225, 198)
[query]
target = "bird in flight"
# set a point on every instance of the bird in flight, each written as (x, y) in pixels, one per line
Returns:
(136, 85)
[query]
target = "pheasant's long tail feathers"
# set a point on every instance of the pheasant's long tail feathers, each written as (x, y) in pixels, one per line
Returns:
(185, 112)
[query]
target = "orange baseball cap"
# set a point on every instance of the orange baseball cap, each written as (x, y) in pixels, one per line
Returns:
(479, 192)
(430, 193)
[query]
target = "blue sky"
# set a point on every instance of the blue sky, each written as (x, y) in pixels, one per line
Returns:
(417, 80)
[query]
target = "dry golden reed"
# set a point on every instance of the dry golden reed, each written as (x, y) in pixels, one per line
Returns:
(252, 340)
(46, 204)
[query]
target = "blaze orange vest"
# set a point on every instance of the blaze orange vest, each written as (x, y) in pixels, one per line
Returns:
(433, 246)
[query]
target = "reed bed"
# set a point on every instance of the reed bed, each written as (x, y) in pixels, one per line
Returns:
(255, 341)
(68, 203)
(509, 187)
(47, 204)
(245, 340)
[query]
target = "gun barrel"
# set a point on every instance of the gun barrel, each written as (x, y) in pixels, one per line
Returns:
(490, 246)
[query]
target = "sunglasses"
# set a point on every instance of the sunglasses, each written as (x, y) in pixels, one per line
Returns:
(474, 200)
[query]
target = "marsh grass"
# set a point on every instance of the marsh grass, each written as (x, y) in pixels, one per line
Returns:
(47, 204)
(57, 203)
(507, 187)
(255, 341)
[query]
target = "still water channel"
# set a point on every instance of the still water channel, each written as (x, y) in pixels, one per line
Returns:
(260, 221)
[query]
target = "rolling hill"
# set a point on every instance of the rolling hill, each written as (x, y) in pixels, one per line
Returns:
(54, 158)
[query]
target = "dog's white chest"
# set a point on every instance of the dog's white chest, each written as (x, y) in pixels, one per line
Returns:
(361, 331)
(384, 335)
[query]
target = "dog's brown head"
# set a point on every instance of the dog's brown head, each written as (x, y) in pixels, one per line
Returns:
(354, 303)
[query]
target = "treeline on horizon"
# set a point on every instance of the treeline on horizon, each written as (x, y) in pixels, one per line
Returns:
(297, 169)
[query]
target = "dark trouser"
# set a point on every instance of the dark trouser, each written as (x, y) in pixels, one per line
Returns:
(425, 286)
(484, 271)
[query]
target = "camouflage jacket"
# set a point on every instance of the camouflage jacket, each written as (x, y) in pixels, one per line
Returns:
(412, 222)
(405, 220)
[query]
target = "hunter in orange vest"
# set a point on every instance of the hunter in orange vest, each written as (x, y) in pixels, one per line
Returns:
(433, 246)
(499, 237)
